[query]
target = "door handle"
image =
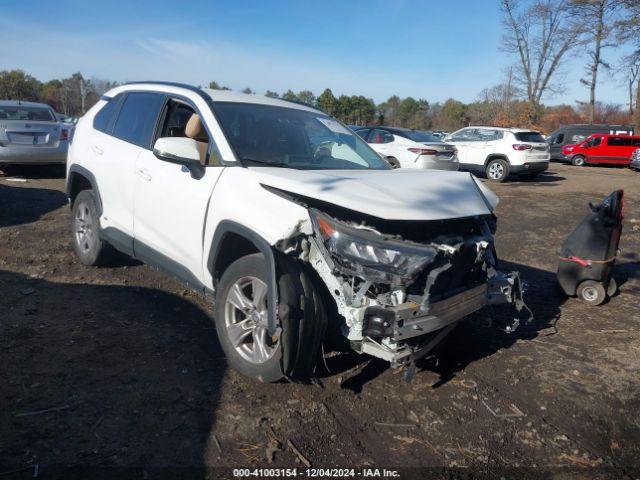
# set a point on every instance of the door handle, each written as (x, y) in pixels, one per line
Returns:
(97, 150)
(143, 174)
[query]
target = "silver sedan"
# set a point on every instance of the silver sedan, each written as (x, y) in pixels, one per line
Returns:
(30, 133)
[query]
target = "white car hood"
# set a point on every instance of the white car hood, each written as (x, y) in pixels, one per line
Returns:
(387, 194)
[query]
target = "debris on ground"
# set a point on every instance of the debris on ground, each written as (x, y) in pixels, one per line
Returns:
(298, 454)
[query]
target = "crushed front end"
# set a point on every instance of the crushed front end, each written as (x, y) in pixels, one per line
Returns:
(401, 286)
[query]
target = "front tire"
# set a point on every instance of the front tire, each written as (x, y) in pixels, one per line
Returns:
(497, 170)
(241, 317)
(578, 161)
(85, 226)
(301, 312)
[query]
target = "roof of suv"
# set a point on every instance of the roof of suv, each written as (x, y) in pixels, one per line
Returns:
(505, 129)
(220, 95)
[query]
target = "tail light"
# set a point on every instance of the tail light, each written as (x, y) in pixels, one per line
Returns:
(521, 146)
(423, 151)
(64, 134)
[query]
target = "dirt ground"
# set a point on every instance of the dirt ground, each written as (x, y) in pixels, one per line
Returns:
(113, 367)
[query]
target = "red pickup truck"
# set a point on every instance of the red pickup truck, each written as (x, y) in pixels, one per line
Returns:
(602, 148)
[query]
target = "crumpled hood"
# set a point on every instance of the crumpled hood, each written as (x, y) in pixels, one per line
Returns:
(387, 194)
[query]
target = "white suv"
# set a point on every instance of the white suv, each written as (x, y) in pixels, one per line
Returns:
(289, 219)
(498, 152)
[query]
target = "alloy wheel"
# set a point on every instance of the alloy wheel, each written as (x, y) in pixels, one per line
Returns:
(496, 171)
(246, 320)
(84, 228)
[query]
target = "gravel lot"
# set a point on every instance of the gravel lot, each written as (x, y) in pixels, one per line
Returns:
(120, 366)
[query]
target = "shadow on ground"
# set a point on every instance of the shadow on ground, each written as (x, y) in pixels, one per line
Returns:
(546, 179)
(69, 399)
(22, 204)
(33, 171)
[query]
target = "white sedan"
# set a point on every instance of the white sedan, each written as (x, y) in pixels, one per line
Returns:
(407, 148)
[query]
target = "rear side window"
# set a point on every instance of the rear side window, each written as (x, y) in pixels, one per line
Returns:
(529, 137)
(102, 120)
(485, 135)
(137, 118)
(619, 141)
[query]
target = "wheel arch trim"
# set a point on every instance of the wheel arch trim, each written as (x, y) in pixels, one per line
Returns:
(496, 156)
(78, 170)
(228, 226)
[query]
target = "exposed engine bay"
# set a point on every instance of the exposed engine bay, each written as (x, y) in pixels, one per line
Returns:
(402, 286)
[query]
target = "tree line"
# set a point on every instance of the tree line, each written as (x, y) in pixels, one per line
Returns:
(540, 34)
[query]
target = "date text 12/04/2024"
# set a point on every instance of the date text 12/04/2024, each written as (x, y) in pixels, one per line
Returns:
(316, 472)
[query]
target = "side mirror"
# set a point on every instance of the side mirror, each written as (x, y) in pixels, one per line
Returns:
(446, 138)
(181, 151)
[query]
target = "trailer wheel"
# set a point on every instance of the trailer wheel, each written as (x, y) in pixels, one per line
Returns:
(591, 292)
(612, 288)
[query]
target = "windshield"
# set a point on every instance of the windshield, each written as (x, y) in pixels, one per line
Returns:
(287, 137)
(418, 136)
(20, 112)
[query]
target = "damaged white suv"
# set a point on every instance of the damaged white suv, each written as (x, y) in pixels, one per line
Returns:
(300, 230)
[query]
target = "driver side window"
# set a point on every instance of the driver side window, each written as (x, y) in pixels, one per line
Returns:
(594, 142)
(181, 120)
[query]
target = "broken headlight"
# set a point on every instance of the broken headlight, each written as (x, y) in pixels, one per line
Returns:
(368, 254)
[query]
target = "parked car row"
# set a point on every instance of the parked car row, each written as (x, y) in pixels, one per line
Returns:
(491, 151)
(34, 133)
(576, 133)
(602, 149)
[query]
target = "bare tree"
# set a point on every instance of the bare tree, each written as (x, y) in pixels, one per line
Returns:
(85, 89)
(629, 31)
(629, 68)
(539, 33)
(598, 18)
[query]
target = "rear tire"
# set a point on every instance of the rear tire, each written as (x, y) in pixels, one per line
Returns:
(497, 170)
(85, 229)
(578, 161)
(591, 292)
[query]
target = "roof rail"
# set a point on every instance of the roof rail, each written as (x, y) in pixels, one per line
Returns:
(299, 102)
(168, 84)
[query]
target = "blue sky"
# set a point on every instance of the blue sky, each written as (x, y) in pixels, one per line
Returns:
(423, 48)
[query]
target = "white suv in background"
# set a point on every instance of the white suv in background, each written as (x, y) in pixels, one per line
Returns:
(498, 152)
(406, 148)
